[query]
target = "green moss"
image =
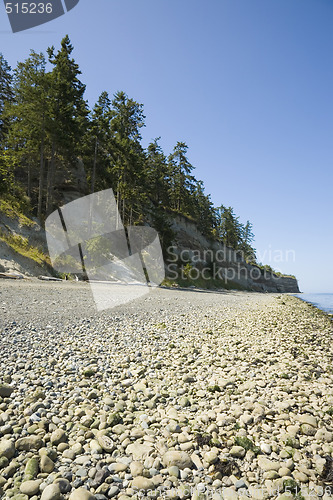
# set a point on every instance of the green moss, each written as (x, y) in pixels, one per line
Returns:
(214, 388)
(291, 486)
(114, 419)
(31, 469)
(292, 443)
(247, 444)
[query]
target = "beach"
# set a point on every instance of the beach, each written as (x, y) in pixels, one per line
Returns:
(178, 394)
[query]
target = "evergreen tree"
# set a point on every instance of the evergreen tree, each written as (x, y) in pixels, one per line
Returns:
(97, 143)
(68, 111)
(6, 95)
(229, 227)
(157, 179)
(203, 210)
(180, 179)
(129, 156)
(27, 115)
(245, 245)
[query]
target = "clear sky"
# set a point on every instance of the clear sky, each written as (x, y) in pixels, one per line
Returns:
(247, 84)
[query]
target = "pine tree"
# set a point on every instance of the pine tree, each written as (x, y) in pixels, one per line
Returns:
(27, 114)
(68, 111)
(203, 210)
(157, 179)
(7, 162)
(129, 156)
(245, 245)
(229, 227)
(181, 182)
(6, 95)
(96, 144)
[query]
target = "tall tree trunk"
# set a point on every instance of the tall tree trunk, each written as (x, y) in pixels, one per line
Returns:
(50, 181)
(41, 174)
(93, 177)
(29, 179)
(118, 206)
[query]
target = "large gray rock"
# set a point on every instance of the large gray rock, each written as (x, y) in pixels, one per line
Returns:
(58, 436)
(29, 443)
(179, 458)
(267, 465)
(237, 451)
(30, 488)
(139, 451)
(46, 464)
(142, 483)
(106, 443)
(51, 492)
(306, 418)
(7, 448)
(5, 390)
(81, 494)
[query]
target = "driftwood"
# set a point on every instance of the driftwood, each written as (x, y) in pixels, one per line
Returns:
(11, 276)
(49, 278)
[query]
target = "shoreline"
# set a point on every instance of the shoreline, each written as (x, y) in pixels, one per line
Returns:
(330, 314)
(180, 390)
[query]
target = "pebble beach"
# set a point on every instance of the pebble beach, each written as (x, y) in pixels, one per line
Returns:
(179, 394)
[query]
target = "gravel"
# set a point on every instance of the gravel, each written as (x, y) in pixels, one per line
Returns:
(179, 394)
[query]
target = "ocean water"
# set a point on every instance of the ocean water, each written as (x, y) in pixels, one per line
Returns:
(323, 301)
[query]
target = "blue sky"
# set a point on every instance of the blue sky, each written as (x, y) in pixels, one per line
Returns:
(247, 84)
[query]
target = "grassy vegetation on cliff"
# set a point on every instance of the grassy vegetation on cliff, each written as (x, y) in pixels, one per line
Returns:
(21, 246)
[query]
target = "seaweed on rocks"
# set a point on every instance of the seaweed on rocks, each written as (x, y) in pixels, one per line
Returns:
(203, 439)
(227, 468)
(327, 474)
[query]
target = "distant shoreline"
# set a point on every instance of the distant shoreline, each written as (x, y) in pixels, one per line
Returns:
(321, 301)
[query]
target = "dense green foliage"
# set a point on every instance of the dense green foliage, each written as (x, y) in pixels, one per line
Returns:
(46, 128)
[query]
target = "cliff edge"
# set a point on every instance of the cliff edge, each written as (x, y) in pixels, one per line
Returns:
(198, 259)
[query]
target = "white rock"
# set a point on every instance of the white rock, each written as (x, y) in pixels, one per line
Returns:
(179, 458)
(266, 448)
(139, 451)
(267, 465)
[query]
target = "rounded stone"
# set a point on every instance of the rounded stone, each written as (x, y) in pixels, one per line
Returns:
(266, 448)
(173, 471)
(142, 483)
(237, 451)
(308, 430)
(46, 464)
(179, 458)
(7, 448)
(106, 443)
(136, 468)
(5, 390)
(29, 443)
(58, 436)
(81, 494)
(30, 488)
(51, 492)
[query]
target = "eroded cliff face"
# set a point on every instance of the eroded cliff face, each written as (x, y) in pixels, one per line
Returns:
(212, 260)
